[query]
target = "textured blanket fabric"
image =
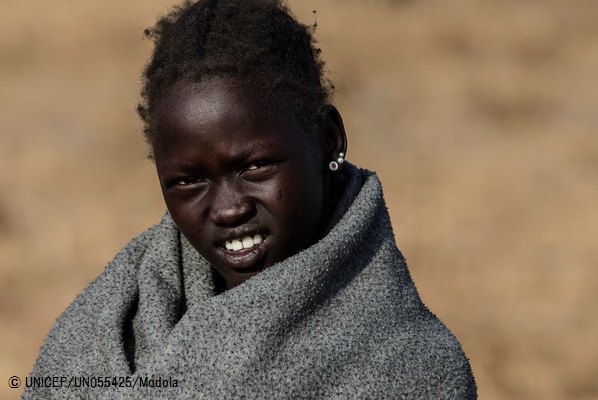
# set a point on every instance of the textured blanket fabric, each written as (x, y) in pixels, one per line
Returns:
(339, 320)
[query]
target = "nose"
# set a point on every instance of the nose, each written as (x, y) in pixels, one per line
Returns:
(230, 207)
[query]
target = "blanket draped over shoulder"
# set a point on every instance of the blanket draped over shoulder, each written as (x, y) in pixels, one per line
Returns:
(339, 320)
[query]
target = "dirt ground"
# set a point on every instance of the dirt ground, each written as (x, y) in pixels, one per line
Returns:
(480, 117)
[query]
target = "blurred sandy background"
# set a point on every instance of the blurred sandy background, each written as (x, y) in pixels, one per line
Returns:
(480, 117)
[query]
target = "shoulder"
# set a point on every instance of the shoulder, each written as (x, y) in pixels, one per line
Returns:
(435, 364)
(73, 342)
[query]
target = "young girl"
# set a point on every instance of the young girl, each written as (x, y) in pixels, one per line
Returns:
(275, 273)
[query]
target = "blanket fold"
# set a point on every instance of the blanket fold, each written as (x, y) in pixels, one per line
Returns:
(339, 320)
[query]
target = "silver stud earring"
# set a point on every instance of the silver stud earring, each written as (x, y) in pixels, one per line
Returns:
(333, 166)
(341, 158)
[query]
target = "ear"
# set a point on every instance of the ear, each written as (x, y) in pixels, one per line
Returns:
(333, 132)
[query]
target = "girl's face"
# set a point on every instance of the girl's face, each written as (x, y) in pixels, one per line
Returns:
(243, 182)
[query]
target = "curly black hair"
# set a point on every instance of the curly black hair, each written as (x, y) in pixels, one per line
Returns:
(257, 41)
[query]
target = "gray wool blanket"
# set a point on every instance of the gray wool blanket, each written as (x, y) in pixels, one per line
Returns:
(339, 320)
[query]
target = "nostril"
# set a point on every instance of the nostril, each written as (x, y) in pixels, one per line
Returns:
(231, 212)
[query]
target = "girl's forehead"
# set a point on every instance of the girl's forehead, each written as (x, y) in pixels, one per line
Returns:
(217, 100)
(209, 94)
(215, 126)
(195, 103)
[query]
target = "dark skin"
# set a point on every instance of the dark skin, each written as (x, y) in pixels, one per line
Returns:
(233, 168)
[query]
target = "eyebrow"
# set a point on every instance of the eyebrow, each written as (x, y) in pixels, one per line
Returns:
(246, 154)
(237, 159)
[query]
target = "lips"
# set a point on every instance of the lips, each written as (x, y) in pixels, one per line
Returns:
(244, 252)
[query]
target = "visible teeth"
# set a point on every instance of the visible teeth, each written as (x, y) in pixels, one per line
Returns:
(246, 242)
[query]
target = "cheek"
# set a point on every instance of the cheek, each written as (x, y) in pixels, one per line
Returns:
(186, 216)
(300, 200)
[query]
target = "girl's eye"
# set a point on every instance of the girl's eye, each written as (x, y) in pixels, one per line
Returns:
(259, 170)
(188, 181)
(254, 166)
